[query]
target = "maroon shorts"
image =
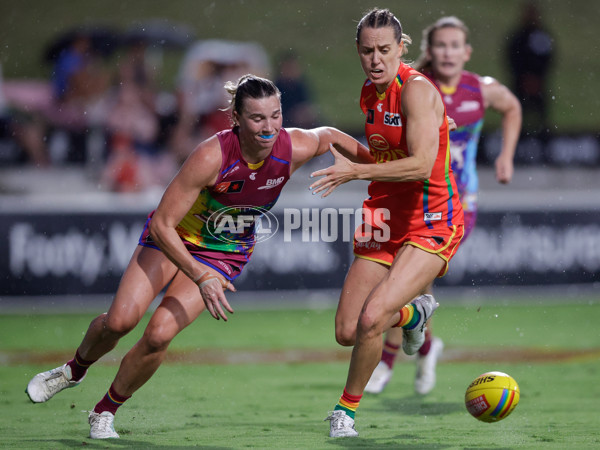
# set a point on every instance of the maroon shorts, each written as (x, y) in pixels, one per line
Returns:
(228, 264)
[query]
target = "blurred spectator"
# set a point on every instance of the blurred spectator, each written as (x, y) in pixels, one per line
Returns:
(136, 161)
(80, 81)
(134, 70)
(296, 102)
(142, 116)
(51, 120)
(531, 50)
(22, 126)
(206, 67)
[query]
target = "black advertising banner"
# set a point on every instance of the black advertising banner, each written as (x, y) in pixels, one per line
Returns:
(529, 248)
(524, 248)
(57, 254)
(86, 253)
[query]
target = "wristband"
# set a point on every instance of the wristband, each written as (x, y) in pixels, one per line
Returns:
(207, 277)
(195, 280)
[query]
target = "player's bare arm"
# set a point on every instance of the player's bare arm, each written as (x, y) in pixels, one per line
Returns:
(308, 144)
(499, 98)
(199, 171)
(424, 113)
(343, 143)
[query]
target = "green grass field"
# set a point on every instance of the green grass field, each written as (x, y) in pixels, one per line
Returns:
(270, 377)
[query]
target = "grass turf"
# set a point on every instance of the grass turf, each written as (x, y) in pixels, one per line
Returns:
(282, 405)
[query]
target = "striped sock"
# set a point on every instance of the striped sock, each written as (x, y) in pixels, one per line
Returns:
(348, 403)
(410, 317)
(111, 402)
(79, 366)
(388, 355)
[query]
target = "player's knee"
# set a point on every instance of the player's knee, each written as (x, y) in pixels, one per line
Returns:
(118, 325)
(368, 324)
(156, 339)
(345, 332)
(345, 336)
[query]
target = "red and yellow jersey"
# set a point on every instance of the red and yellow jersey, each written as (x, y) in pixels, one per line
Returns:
(414, 204)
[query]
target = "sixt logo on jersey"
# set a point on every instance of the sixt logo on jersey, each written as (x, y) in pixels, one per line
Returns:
(229, 187)
(392, 120)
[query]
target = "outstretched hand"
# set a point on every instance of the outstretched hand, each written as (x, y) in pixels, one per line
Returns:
(451, 124)
(212, 288)
(342, 171)
(504, 169)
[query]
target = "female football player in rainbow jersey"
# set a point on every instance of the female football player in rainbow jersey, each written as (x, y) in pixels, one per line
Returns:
(445, 49)
(413, 217)
(239, 171)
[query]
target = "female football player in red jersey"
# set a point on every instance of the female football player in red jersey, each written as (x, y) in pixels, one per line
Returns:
(445, 49)
(412, 192)
(242, 171)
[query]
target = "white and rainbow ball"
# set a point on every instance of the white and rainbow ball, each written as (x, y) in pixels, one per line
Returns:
(492, 396)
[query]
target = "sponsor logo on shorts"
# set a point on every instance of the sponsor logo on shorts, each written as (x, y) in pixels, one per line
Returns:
(430, 242)
(432, 216)
(371, 245)
(226, 267)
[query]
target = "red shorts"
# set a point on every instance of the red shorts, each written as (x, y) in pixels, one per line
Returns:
(441, 241)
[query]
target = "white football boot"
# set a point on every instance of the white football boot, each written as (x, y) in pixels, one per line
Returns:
(412, 340)
(101, 425)
(379, 378)
(341, 425)
(46, 385)
(425, 377)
